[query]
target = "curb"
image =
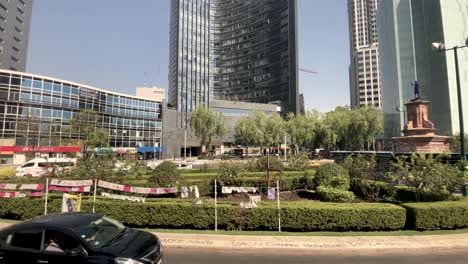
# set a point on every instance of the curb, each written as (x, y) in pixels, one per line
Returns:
(362, 243)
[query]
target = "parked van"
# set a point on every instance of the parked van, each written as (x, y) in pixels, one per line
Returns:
(39, 167)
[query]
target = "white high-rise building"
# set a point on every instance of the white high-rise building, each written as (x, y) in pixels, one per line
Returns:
(364, 76)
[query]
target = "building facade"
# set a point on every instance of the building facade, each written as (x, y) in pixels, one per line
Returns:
(15, 20)
(240, 50)
(406, 30)
(153, 93)
(364, 73)
(36, 111)
(176, 139)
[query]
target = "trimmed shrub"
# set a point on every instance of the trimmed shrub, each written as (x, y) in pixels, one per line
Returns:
(437, 215)
(406, 194)
(332, 175)
(379, 190)
(165, 174)
(275, 164)
(295, 216)
(298, 163)
(328, 194)
(7, 172)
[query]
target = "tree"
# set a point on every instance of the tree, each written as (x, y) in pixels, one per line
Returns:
(455, 143)
(246, 133)
(86, 124)
(301, 129)
(98, 138)
(274, 130)
(351, 129)
(429, 177)
(206, 125)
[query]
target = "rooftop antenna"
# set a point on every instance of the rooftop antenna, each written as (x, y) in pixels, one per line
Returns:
(157, 76)
(145, 79)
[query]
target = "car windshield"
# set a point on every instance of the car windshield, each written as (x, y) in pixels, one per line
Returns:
(100, 232)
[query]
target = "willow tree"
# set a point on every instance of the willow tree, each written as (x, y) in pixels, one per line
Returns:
(206, 125)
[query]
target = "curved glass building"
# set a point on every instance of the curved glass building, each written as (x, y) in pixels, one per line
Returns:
(239, 50)
(36, 111)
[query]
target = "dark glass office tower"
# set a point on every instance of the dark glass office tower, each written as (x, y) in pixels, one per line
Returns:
(15, 20)
(251, 56)
(189, 55)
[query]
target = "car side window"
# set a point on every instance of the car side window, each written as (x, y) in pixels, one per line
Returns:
(31, 164)
(30, 239)
(59, 242)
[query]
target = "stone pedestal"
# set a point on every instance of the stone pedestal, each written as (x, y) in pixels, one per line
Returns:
(419, 132)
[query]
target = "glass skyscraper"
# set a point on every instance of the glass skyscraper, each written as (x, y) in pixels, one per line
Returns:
(364, 74)
(406, 30)
(15, 20)
(240, 50)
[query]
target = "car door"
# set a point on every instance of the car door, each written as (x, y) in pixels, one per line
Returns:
(26, 169)
(59, 247)
(21, 246)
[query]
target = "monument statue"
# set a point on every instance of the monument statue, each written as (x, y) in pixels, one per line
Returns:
(415, 90)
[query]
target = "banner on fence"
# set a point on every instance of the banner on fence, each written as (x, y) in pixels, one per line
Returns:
(185, 191)
(12, 195)
(71, 203)
(7, 186)
(133, 189)
(34, 187)
(271, 193)
(69, 183)
(228, 190)
(124, 197)
(81, 189)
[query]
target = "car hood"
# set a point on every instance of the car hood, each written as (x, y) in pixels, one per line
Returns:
(134, 244)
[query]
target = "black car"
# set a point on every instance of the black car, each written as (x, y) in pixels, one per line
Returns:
(73, 238)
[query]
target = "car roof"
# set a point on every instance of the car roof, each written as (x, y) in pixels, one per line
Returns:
(64, 220)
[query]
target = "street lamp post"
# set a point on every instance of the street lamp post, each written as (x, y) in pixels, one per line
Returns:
(440, 47)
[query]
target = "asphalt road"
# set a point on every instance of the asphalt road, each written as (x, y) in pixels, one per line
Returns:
(194, 256)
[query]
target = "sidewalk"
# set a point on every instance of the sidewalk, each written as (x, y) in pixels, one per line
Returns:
(312, 243)
(316, 243)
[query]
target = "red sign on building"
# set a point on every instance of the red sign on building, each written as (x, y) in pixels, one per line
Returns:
(40, 149)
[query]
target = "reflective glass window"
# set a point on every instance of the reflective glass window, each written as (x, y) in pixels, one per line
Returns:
(15, 81)
(74, 91)
(57, 114)
(47, 99)
(36, 98)
(46, 113)
(56, 101)
(24, 111)
(57, 88)
(27, 82)
(66, 103)
(67, 115)
(47, 87)
(66, 90)
(37, 84)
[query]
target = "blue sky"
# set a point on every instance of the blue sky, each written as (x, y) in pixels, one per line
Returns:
(118, 44)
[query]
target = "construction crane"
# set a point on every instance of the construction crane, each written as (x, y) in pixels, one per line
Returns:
(308, 70)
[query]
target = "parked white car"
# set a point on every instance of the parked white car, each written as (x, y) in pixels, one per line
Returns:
(39, 167)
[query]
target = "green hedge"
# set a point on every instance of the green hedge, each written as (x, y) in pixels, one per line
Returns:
(406, 194)
(328, 194)
(295, 216)
(437, 215)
